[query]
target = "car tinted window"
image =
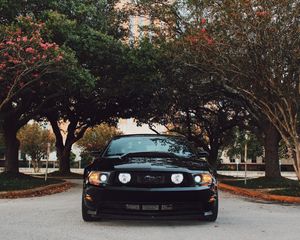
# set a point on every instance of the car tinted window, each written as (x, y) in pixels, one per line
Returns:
(176, 145)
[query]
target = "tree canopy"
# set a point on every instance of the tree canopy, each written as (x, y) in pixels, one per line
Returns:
(36, 142)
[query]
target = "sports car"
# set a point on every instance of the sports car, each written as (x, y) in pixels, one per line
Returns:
(149, 176)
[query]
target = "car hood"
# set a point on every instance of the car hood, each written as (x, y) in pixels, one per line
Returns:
(149, 164)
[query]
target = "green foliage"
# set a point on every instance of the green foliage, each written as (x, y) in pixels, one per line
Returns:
(86, 159)
(263, 182)
(13, 182)
(72, 159)
(96, 138)
(35, 141)
(236, 147)
(98, 14)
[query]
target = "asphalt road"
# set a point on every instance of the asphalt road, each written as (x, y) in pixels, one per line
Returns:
(58, 217)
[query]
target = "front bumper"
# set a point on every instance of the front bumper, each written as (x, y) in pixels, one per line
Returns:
(171, 203)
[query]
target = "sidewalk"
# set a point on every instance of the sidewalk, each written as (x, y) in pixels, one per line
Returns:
(254, 174)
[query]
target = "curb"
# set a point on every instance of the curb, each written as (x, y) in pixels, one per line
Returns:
(37, 192)
(258, 195)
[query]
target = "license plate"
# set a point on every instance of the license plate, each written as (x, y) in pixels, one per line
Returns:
(150, 207)
(132, 206)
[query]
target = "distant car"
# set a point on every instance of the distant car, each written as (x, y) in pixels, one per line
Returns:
(150, 176)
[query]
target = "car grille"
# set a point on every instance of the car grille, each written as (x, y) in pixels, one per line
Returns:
(154, 179)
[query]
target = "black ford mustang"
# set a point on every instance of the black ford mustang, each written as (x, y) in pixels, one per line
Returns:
(150, 176)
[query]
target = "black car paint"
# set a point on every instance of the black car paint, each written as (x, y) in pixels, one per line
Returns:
(110, 200)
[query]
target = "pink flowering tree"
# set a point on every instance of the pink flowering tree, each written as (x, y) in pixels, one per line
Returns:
(253, 52)
(26, 61)
(25, 56)
(250, 50)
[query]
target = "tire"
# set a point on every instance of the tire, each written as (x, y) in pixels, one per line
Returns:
(85, 216)
(215, 209)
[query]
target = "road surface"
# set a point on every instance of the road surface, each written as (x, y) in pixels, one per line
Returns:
(58, 217)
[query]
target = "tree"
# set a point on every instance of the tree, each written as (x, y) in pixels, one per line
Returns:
(232, 44)
(23, 96)
(67, 23)
(121, 88)
(105, 101)
(96, 138)
(24, 58)
(252, 48)
(236, 146)
(206, 122)
(36, 142)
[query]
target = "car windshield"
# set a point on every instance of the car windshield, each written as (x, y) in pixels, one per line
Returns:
(163, 144)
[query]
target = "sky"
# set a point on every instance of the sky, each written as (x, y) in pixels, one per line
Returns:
(128, 126)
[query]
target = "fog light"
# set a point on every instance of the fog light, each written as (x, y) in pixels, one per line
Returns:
(177, 178)
(103, 178)
(88, 197)
(124, 178)
(197, 179)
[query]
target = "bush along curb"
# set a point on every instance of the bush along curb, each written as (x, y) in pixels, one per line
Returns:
(37, 192)
(258, 195)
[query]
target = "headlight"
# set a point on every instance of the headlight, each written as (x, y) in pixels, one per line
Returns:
(97, 178)
(204, 179)
(124, 178)
(177, 178)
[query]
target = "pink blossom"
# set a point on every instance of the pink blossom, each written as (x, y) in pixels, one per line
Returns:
(2, 66)
(15, 61)
(209, 41)
(59, 58)
(35, 75)
(30, 50)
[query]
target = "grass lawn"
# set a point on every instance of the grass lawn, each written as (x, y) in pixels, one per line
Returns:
(11, 182)
(295, 192)
(281, 186)
(70, 175)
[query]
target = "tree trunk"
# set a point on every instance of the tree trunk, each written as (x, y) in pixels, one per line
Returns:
(297, 160)
(63, 149)
(271, 144)
(63, 155)
(213, 155)
(12, 145)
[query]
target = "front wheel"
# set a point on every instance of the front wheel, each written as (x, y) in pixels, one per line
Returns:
(85, 216)
(215, 209)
